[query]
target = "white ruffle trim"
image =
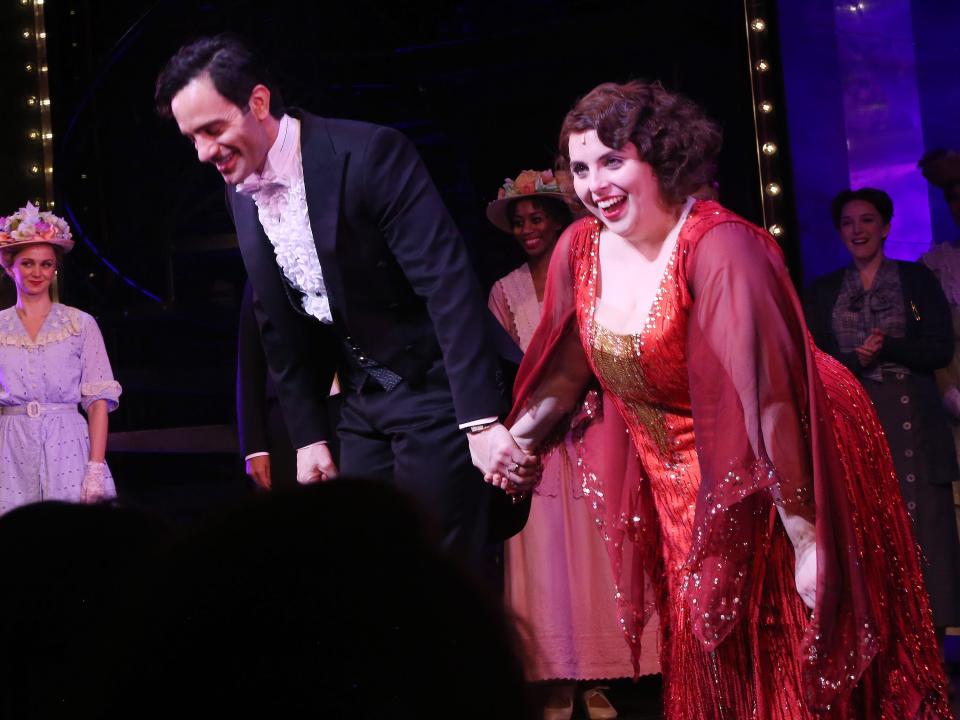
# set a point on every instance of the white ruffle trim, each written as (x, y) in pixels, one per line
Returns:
(64, 322)
(106, 388)
(286, 221)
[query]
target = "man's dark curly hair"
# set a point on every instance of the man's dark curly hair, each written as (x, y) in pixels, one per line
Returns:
(232, 65)
(671, 133)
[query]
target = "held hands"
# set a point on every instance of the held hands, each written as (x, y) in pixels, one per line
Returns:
(495, 452)
(258, 468)
(92, 487)
(314, 462)
(867, 353)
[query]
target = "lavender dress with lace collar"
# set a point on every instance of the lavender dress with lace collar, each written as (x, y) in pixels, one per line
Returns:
(44, 457)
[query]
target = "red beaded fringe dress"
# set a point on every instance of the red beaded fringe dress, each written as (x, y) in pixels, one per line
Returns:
(719, 408)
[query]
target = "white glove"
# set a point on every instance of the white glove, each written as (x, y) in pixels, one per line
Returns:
(92, 487)
(803, 537)
(314, 462)
(806, 573)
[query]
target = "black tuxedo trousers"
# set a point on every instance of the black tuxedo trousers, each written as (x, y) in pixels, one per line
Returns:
(410, 436)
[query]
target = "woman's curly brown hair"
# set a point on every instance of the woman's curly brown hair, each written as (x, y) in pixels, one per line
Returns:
(671, 133)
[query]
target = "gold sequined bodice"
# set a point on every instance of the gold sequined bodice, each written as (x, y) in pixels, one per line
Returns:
(618, 362)
(646, 373)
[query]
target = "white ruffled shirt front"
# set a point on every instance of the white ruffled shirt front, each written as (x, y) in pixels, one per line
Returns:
(280, 195)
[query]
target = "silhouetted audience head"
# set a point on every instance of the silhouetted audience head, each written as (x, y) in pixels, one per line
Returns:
(67, 593)
(324, 601)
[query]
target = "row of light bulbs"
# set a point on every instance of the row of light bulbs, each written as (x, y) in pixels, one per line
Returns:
(44, 135)
(769, 148)
(36, 169)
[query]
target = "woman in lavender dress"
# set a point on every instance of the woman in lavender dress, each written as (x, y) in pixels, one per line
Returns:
(52, 358)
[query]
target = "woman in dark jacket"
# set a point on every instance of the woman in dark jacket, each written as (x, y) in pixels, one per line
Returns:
(888, 322)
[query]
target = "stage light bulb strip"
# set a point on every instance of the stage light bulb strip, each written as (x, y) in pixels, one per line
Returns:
(764, 116)
(39, 128)
(39, 100)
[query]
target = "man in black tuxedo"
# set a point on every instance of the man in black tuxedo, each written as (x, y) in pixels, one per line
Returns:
(356, 266)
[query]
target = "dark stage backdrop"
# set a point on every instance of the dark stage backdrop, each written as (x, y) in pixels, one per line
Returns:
(480, 86)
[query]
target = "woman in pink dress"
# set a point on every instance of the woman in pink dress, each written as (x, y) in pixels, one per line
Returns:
(557, 576)
(765, 505)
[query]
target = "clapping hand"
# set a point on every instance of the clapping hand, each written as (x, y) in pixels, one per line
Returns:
(867, 352)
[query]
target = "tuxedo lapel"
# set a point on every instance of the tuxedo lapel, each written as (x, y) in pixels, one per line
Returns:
(323, 172)
(255, 247)
(258, 253)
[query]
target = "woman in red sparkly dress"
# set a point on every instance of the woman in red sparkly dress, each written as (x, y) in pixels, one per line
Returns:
(737, 464)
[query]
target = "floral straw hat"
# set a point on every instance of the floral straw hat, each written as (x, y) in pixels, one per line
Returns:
(528, 184)
(941, 168)
(28, 226)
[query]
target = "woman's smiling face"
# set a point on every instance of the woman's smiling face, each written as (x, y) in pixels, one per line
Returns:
(615, 185)
(862, 230)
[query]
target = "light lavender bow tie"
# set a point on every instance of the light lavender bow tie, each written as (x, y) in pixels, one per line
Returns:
(262, 188)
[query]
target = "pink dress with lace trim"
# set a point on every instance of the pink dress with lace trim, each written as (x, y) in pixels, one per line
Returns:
(557, 576)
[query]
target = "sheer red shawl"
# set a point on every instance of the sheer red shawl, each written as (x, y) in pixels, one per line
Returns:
(752, 366)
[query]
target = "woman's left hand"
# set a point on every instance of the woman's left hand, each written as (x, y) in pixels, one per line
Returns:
(514, 484)
(805, 573)
(92, 488)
